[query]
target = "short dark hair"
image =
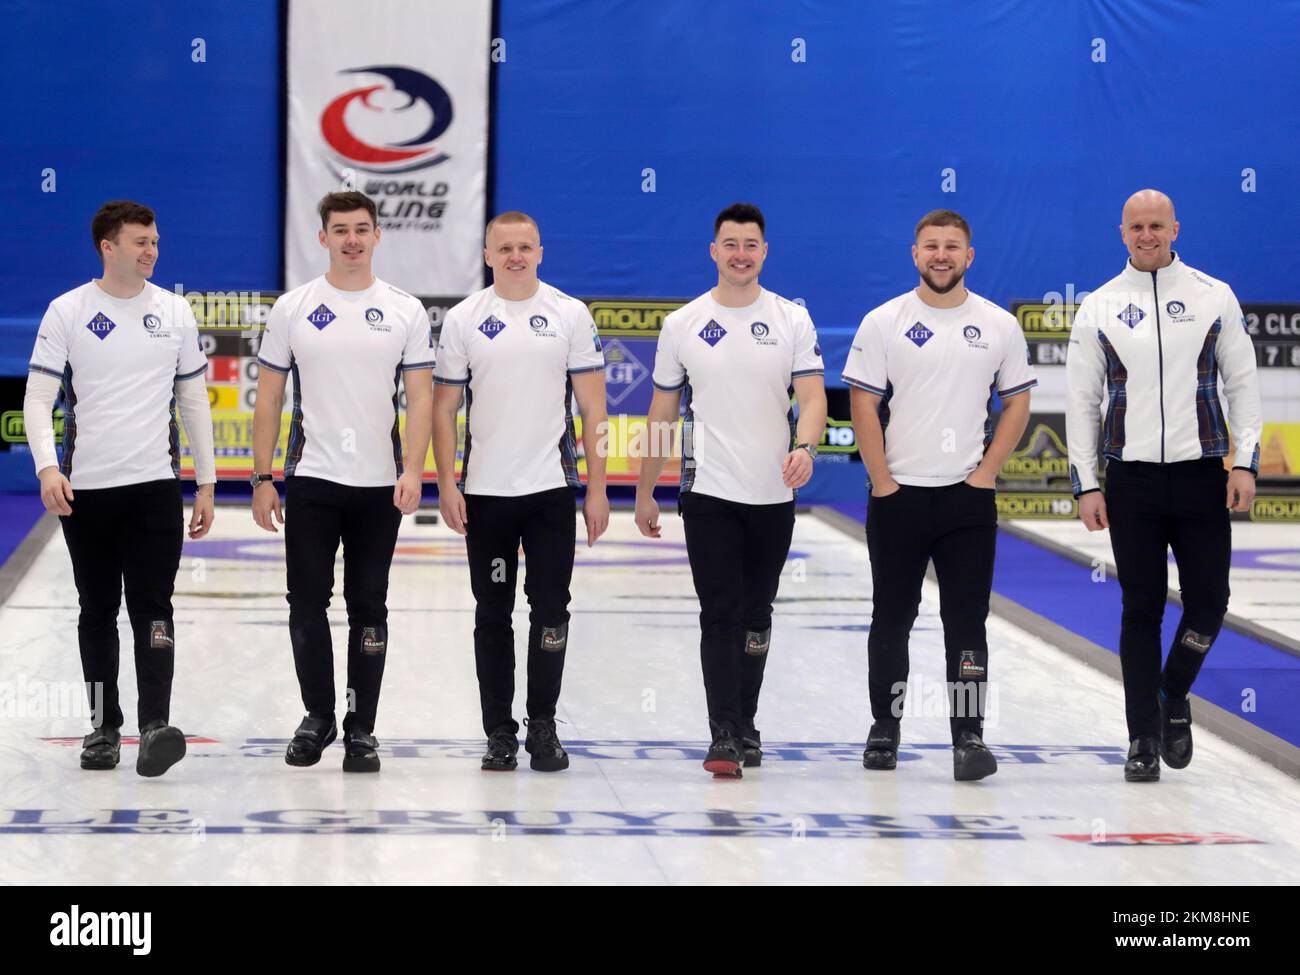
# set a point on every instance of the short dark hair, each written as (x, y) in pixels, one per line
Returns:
(345, 203)
(741, 213)
(107, 222)
(943, 218)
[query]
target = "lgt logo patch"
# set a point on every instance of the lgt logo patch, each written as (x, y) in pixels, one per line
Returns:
(1131, 315)
(919, 334)
(321, 317)
(101, 325)
(713, 333)
(491, 326)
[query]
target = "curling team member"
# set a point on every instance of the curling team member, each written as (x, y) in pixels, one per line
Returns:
(731, 358)
(1155, 343)
(923, 370)
(126, 354)
(346, 337)
(519, 350)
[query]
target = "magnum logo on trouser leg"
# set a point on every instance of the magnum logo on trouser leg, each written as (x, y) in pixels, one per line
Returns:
(555, 638)
(374, 639)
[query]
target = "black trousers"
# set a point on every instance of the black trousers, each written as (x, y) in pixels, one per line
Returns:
(956, 526)
(1153, 508)
(128, 535)
(736, 553)
(318, 515)
(545, 524)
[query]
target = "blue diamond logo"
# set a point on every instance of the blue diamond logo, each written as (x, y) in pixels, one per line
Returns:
(321, 317)
(713, 333)
(919, 334)
(492, 326)
(1131, 315)
(101, 325)
(624, 372)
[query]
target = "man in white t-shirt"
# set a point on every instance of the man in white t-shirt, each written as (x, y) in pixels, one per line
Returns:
(924, 369)
(731, 358)
(126, 353)
(520, 351)
(346, 337)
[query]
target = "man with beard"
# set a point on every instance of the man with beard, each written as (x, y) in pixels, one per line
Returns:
(1160, 336)
(923, 370)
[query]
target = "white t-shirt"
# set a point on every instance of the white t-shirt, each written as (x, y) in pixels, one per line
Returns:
(345, 350)
(736, 366)
(936, 369)
(516, 357)
(119, 361)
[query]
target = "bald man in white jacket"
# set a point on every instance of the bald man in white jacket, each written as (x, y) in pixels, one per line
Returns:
(1155, 344)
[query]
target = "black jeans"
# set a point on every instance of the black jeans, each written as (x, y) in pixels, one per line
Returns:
(130, 534)
(318, 514)
(545, 524)
(736, 553)
(956, 526)
(1152, 508)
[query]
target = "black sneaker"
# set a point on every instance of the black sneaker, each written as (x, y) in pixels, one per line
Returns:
(1143, 763)
(501, 749)
(543, 744)
(161, 747)
(359, 753)
(971, 758)
(310, 738)
(751, 746)
(725, 755)
(882, 746)
(1176, 737)
(102, 749)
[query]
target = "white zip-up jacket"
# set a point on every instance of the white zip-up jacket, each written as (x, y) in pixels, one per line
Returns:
(1154, 345)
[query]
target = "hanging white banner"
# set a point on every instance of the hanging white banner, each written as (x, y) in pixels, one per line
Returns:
(391, 99)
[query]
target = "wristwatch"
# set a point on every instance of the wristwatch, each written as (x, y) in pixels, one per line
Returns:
(811, 448)
(257, 479)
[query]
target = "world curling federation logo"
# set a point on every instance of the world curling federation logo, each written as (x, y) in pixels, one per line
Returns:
(370, 129)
